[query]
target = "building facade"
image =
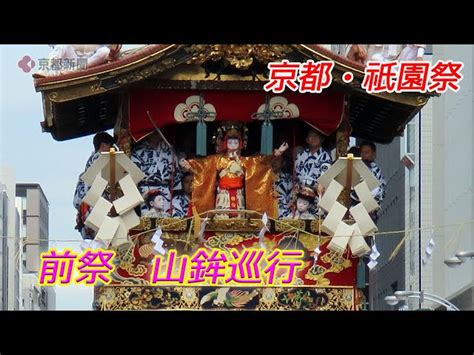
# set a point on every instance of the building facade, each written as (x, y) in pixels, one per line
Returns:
(3, 248)
(10, 243)
(33, 208)
(452, 198)
(439, 190)
(389, 275)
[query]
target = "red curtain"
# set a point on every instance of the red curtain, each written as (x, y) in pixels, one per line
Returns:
(324, 110)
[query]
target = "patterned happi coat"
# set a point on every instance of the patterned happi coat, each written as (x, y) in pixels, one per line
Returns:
(309, 167)
(83, 210)
(379, 192)
(161, 171)
(283, 188)
(180, 205)
(82, 188)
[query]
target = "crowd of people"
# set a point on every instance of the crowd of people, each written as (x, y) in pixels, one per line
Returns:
(227, 180)
(362, 53)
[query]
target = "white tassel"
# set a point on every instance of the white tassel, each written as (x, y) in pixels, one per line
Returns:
(203, 228)
(158, 242)
(264, 229)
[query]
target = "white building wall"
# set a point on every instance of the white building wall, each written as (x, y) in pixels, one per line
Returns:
(34, 226)
(447, 199)
(7, 176)
(453, 152)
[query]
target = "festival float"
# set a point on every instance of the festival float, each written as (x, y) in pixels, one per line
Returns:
(192, 96)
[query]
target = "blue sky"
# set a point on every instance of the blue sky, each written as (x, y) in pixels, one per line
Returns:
(38, 158)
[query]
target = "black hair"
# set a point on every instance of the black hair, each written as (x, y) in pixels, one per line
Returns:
(152, 195)
(368, 144)
(306, 198)
(355, 151)
(321, 136)
(102, 137)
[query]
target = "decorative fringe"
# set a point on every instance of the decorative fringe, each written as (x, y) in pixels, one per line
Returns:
(266, 142)
(201, 138)
(361, 274)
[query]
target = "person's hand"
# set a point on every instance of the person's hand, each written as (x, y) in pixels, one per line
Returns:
(361, 54)
(185, 165)
(320, 189)
(278, 152)
(357, 53)
(420, 52)
(114, 50)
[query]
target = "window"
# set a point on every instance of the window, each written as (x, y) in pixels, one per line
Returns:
(410, 141)
(410, 138)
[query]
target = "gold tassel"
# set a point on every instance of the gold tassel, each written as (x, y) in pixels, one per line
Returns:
(196, 223)
(397, 248)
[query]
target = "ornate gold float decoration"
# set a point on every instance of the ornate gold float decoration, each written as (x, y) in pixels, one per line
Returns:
(240, 57)
(200, 298)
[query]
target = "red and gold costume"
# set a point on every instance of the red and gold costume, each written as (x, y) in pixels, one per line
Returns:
(230, 181)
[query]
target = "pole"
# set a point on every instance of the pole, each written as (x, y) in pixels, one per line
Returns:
(419, 204)
(112, 174)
